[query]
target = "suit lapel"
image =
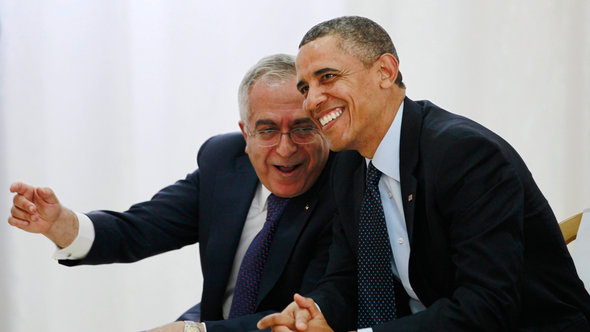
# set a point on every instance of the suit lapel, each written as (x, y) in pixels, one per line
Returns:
(292, 223)
(409, 153)
(237, 189)
(349, 187)
(358, 190)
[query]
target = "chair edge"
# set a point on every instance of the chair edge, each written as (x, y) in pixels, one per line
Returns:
(569, 227)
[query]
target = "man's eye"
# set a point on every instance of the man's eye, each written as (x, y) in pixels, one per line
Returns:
(303, 132)
(303, 129)
(328, 76)
(266, 133)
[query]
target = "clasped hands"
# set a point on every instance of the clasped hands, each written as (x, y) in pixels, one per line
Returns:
(300, 315)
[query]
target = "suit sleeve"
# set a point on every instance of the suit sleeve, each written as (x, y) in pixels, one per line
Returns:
(479, 194)
(244, 323)
(336, 294)
(168, 221)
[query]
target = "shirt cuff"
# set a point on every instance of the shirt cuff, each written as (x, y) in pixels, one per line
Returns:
(82, 243)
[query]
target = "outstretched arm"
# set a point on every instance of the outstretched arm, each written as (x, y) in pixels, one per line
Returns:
(37, 210)
(175, 327)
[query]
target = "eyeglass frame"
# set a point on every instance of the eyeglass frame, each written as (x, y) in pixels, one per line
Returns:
(255, 134)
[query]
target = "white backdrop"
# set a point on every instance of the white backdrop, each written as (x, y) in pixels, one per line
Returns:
(108, 101)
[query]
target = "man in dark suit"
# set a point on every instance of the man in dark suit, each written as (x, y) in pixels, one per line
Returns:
(471, 244)
(222, 206)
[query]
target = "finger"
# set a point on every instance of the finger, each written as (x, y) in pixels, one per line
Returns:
(307, 303)
(22, 189)
(17, 213)
(47, 195)
(308, 311)
(24, 204)
(302, 316)
(19, 223)
(281, 329)
(274, 320)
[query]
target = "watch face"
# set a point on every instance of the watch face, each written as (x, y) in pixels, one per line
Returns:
(191, 327)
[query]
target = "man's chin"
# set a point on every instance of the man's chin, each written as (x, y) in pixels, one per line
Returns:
(288, 191)
(336, 143)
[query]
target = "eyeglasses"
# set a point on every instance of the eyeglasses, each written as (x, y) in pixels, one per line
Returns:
(272, 137)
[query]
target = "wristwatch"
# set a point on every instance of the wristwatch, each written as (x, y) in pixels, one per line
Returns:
(190, 326)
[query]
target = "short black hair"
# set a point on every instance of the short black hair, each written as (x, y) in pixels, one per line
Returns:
(360, 37)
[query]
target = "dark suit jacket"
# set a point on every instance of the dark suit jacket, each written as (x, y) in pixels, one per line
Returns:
(486, 251)
(210, 207)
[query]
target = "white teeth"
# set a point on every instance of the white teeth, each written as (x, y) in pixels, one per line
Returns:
(330, 116)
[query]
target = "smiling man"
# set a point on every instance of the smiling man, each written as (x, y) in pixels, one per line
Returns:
(440, 226)
(258, 205)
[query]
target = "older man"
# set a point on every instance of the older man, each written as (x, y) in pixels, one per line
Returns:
(440, 220)
(258, 205)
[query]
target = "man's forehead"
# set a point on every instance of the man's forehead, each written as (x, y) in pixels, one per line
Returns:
(318, 56)
(322, 45)
(268, 118)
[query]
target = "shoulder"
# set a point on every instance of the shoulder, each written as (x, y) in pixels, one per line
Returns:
(222, 149)
(346, 161)
(439, 123)
(230, 142)
(442, 130)
(453, 149)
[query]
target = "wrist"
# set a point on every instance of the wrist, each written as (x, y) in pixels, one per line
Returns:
(190, 326)
(64, 229)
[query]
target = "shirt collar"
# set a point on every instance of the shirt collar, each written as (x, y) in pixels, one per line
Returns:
(386, 158)
(260, 197)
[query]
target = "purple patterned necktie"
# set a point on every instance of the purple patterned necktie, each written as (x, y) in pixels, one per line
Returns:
(375, 276)
(247, 284)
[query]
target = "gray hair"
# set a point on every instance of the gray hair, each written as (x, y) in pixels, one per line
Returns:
(359, 37)
(273, 69)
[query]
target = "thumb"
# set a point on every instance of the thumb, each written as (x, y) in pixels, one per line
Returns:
(307, 303)
(47, 195)
(301, 301)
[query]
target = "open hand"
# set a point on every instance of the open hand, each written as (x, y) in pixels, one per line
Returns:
(37, 210)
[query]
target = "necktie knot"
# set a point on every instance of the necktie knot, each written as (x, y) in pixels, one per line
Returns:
(275, 207)
(373, 175)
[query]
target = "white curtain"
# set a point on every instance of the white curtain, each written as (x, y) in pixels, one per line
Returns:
(108, 101)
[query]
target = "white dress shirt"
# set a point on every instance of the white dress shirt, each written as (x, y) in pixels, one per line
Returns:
(386, 159)
(253, 224)
(82, 243)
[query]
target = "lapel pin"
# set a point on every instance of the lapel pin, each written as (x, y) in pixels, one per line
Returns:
(410, 197)
(307, 206)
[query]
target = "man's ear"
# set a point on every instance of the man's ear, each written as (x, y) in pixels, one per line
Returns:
(388, 69)
(243, 129)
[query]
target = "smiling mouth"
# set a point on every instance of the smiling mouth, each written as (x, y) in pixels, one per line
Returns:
(287, 169)
(335, 114)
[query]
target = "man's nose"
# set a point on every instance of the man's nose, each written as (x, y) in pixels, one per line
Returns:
(315, 97)
(286, 146)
